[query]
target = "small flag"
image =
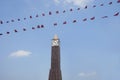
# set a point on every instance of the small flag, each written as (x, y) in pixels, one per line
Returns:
(57, 12)
(105, 17)
(38, 26)
(24, 29)
(37, 15)
(78, 8)
(92, 18)
(12, 20)
(64, 22)
(71, 9)
(94, 6)
(33, 27)
(50, 13)
(8, 32)
(64, 11)
(55, 24)
(15, 30)
(43, 14)
(110, 3)
(85, 19)
(101, 4)
(30, 16)
(118, 1)
(24, 18)
(42, 26)
(1, 34)
(74, 21)
(1, 22)
(7, 21)
(85, 7)
(116, 14)
(18, 19)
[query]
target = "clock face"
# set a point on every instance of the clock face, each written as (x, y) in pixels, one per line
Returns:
(55, 43)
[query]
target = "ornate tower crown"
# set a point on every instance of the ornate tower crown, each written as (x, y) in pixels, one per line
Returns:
(55, 41)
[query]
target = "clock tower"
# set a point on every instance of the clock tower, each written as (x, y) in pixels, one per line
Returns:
(55, 70)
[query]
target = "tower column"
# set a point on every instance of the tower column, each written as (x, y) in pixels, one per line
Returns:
(55, 70)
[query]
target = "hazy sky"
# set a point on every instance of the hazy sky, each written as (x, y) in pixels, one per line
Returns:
(90, 50)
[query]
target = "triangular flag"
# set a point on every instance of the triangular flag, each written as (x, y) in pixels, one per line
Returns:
(94, 6)
(1, 22)
(85, 7)
(101, 4)
(24, 29)
(12, 20)
(37, 15)
(78, 8)
(85, 19)
(55, 24)
(110, 3)
(74, 21)
(42, 26)
(105, 17)
(50, 13)
(8, 32)
(64, 11)
(57, 12)
(1, 34)
(43, 14)
(24, 18)
(15, 30)
(38, 26)
(33, 27)
(71, 9)
(116, 14)
(92, 18)
(118, 1)
(64, 22)
(30, 16)
(18, 19)
(7, 21)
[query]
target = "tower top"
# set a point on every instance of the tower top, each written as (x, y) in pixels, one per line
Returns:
(55, 41)
(55, 37)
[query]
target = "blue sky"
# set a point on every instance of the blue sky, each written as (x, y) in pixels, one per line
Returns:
(90, 50)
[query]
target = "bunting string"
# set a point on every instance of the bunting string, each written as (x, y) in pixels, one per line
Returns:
(56, 24)
(50, 13)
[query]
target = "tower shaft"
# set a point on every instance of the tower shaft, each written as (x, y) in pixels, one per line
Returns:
(55, 70)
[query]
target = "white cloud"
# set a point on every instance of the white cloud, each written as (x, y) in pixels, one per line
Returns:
(20, 53)
(57, 1)
(80, 3)
(91, 74)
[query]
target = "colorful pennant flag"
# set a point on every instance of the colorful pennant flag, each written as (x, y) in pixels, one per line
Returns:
(57, 12)
(94, 6)
(15, 30)
(64, 22)
(1, 22)
(92, 18)
(116, 14)
(85, 19)
(74, 21)
(118, 1)
(55, 24)
(24, 29)
(105, 17)
(110, 3)
(101, 4)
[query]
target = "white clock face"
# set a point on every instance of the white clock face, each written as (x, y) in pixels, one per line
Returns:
(55, 43)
